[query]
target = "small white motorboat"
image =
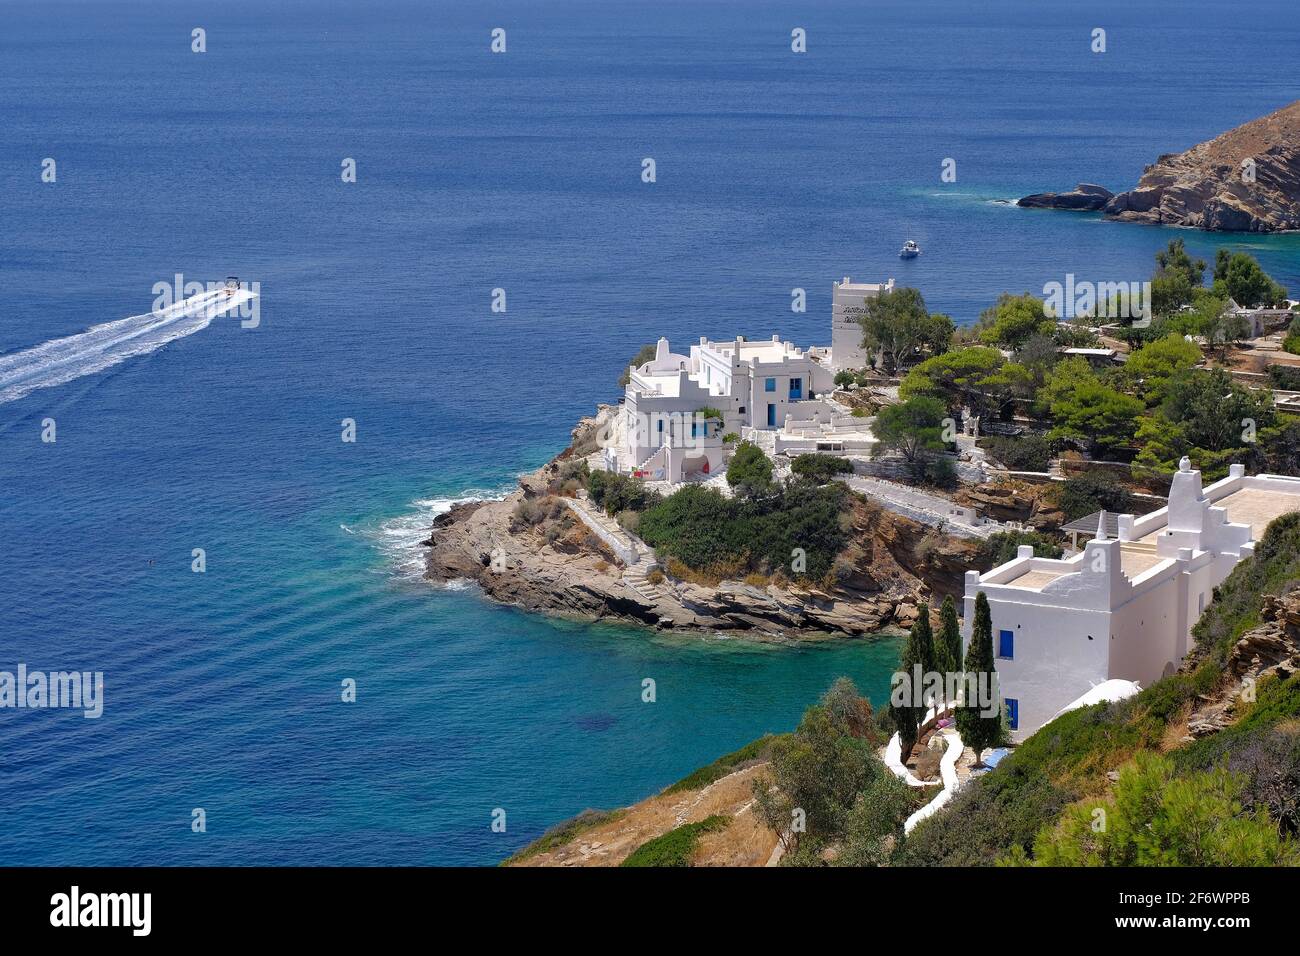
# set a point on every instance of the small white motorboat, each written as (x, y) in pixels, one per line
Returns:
(910, 250)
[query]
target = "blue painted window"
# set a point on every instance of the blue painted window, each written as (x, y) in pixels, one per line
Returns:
(796, 389)
(1013, 712)
(1007, 645)
(769, 385)
(771, 416)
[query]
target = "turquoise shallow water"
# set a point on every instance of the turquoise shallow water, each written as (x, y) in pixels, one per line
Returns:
(473, 172)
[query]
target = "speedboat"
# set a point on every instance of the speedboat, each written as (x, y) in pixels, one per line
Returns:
(910, 250)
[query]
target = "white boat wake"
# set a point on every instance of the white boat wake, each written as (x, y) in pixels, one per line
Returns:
(61, 360)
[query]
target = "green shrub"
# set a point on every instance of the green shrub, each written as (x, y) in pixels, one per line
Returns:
(701, 528)
(939, 471)
(1031, 452)
(1155, 818)
(749, 472)
(1277, 701)
(821, 769)
(1286, 377)
(615, 492)
(820, 469)
(875, 824)
(675, 847)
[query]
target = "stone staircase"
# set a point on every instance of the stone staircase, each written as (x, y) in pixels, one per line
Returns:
(637, 577)
(627, 547)
(637, 557)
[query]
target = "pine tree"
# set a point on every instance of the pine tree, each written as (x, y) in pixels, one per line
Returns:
(978, 730)
(947, 651)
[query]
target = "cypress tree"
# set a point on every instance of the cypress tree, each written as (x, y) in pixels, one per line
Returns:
(947, 651)
(979, 731)
(923, 636)
(919, 649)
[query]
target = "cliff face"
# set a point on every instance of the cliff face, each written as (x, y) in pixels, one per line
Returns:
(1207, 187)
(1272, 649)
(1245, 180)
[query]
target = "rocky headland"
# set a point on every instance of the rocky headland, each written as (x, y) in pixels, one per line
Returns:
(1244, 180)
(533, 550)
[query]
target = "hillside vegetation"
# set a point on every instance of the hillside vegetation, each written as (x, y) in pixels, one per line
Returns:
(1229, 797)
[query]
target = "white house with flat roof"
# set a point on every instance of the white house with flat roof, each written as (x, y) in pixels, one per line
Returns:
(661, 432)
(767, 384)
(1122, 608)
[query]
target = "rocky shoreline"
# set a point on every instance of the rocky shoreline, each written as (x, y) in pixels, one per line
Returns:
(558, 566)
(1244, 180)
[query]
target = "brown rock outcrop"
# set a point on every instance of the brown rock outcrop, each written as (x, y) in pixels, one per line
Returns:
(1085, 197)
(1034, 505)
(1244, 180)
(1272, 648)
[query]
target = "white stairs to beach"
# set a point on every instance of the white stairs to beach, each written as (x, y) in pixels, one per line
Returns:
(637, 577)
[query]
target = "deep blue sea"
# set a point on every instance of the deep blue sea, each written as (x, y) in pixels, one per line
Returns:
(475, 171)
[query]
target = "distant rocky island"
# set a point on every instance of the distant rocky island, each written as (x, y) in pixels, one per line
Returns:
(1244, 180)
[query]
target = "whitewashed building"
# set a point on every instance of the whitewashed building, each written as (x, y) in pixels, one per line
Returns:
(1123, 607)
(1260, 321)
(767, 384)
(848, 303)
(661, 433)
